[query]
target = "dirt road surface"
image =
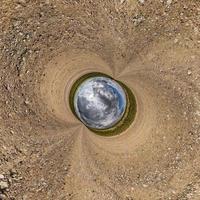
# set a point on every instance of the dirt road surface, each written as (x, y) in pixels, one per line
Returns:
(153, 46)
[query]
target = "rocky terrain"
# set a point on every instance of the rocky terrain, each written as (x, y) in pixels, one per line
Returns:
(151, 46)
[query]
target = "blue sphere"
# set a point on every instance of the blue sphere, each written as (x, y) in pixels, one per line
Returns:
(100, 102)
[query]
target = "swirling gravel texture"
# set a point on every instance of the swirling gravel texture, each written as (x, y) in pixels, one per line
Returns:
(152, 47)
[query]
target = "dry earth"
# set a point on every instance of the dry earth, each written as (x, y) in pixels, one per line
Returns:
(153, 46)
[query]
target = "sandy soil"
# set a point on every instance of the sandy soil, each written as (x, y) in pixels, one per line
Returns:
(151, 46)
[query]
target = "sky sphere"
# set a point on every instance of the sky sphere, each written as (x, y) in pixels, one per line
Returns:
(100, 102)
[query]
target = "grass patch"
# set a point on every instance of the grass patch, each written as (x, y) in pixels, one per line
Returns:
(128, 116)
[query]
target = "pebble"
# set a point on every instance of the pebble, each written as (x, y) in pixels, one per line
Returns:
(169, 2)
(2, 176)
(3, 185)
(138, 19)
(189, 72)
(175, 40)
(145, 186)
(122, 1)
(141, 1)
(2, 196)
(13, 173)
(27, 102)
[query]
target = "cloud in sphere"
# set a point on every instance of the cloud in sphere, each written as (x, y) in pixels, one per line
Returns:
(100, 102)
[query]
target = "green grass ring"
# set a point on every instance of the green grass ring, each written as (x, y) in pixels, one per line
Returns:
(128, 116)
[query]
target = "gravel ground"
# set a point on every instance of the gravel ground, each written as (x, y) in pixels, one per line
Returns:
(151, 46)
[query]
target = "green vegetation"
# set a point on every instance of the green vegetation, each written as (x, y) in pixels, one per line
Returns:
(129, 114)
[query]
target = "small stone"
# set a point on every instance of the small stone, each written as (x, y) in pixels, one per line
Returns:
(138, 19)
(2, 196)
(175, 41)
(25, 197)
(13, 173)
(66, 169)
(141, 1)
(3, 185)
(132, 188)
(189, 72)
(27, 102)
(169, 2)
(196, 30)
(145, 185)
(2, 176)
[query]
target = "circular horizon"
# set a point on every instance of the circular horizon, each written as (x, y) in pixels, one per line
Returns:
(100, 102)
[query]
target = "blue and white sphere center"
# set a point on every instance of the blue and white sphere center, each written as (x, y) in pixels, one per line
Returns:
(100, 102)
